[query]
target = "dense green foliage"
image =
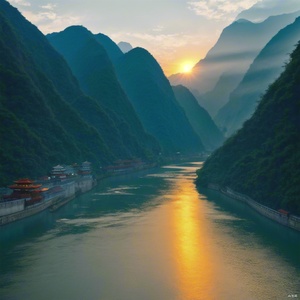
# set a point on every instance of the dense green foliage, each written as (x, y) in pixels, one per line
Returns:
(199, 118)
(154, 101)
(266, 67)
(263, 159)
(38, 128)
(92, 66)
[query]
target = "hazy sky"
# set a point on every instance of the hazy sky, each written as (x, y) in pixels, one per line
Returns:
(175, 32)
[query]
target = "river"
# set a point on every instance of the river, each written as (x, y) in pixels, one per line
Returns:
(149, 236)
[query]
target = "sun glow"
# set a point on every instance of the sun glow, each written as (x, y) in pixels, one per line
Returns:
(187, 68)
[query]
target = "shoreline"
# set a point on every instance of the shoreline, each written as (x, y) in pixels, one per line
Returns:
(70, 189)
(281, 217)
(75, 188)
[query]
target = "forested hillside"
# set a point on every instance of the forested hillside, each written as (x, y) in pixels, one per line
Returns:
(38, 128)
(94, 70)
(263, 159)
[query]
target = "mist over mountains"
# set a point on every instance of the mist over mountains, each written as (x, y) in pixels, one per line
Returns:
(265, 8)
(215, 76)
(266, 67)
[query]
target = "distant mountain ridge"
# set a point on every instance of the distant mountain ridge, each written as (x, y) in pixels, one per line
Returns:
(224, 66)
(266, 67)
(265, 8)
(125, 47)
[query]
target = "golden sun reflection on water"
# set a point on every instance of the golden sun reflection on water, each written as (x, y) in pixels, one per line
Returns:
(191, 249)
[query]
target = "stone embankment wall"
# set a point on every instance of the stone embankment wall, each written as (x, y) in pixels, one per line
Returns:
(15, 210)
(11, 207)
(85, 184)
(25, 213)
(288, 220)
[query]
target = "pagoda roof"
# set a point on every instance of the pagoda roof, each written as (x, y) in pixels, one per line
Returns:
(24, 184)
(24, 181)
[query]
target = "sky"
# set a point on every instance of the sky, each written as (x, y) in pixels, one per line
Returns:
(178, 33)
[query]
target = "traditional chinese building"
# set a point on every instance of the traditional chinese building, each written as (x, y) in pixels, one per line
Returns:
(85, 168)
(26, 189)
(58, 172)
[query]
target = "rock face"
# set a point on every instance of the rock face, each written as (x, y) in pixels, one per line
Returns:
(262, 159)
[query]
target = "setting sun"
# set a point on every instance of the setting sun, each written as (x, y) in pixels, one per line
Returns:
(187, 67)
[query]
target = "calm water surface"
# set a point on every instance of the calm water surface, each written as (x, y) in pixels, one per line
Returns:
(149, 236)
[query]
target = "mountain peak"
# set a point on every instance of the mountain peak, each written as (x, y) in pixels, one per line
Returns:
(125, 47)
(243, 21)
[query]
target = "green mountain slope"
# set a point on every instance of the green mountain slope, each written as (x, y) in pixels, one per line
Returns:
(263, 159)
(53, 65)
(153, 99)
(95, 73)
(38, 128)
(199, 118)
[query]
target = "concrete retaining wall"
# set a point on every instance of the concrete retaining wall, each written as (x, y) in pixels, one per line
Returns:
(11, 207)
(286, 220)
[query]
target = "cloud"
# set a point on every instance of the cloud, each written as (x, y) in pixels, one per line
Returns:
(50, 21)
(219, 9)
(49, 6)
(20, 2)
(158, 28)
(165, 41)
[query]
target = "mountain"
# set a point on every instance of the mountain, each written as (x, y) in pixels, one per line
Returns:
(125, 47)
(92, 67)
(199, 118)
(153, 99)
(112, 50)
(54, 66)
(224, 66)
(263, 71)
(265, 8)
(38, 128)
(262, 160)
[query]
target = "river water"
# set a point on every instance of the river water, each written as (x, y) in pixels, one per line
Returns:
(149, 236)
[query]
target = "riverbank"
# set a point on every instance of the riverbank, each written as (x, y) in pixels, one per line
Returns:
(280, 216)
(59, 192)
